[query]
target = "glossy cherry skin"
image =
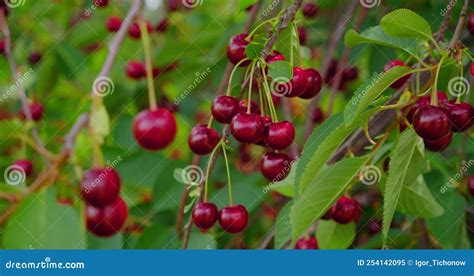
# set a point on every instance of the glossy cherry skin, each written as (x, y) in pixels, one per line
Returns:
(135, 70)
(345, 210)
(317, 116)
(310, 10)
(34, 58)
(236, 49)
(425, 100)
(275, 166)
(114, 23)
(274, 56)
(266, 123)
(224, 108)
(296, 86)
(247, 128)
(154, 129)
(101, 3)
(202, 140)
(205, 215)
(100, 186)
(107, 221)
(470, 185)
(431, 122)
(233, 219)
(135, 32)
(309, 243)
(401, 81)
(25, 165)
(461, 115)
(302, 35)
(36, 110)
(279, 135)
(470, 23)
(162, 25)
(254, 109)
(440, 144)
(314, 84)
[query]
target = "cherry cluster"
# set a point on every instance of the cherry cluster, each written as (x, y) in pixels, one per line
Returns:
(232, 219)
(344, 211)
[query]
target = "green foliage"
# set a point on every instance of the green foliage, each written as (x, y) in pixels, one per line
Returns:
(283, 226)
(280, 70)
(406, 23)
(333, 235)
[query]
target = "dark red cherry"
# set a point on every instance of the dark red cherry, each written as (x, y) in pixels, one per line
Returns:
(202, 140)
(236, 49)
(162, 25)
(470, 23)
(100, 186)
(280, 135)
(107, 221)
(174, 5)
(101, 3)
(135, 32)
(421, 101)
(350, 74)
(274, 56)
(34, 58)
(307, 243)
(266, 123)
(345, 210)
(317, 116)
(36, 110)
(460, 114)
(296, 86)
(154, 129)
(431, 122)
(374, 226)
(254, 109)
(156, 71)
(401, 81)
(275, 166)
(302, 35)
(25, 165)
(247, 128)
(135, 70)
(224, 108)
(314, 84)
(440, 144)
(2, 47)
(233, 219)
(472, 65)
(442, 98)
(471, 185)
(327, 215)
(205, 215)
(310, 10)
(114, 23)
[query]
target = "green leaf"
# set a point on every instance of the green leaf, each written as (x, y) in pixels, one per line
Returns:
(370, 90)
(322, 191)
(332, 235)
(283, 226)
(396, 239)
(254, 50)
(100, 123)
(406, 23)
(280, 71)
(201, 241)
(416, 200)
(243, 4)
(399, 165)
(41, 223)
(376, 35)
(158, 237)
(285, 187)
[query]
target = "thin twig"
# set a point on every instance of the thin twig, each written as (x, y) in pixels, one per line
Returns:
(460, 26)
(445, 24)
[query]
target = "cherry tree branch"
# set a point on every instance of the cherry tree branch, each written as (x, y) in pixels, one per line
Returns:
(445, 24)
(460, 25)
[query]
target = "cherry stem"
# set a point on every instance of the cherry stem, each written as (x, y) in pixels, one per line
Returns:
(229, 181)
(97, 156)
(434, 92)
(292, 41)
(458, 97)
(208, 170)
(250, 88)
(268, 95)
(209, 124)
(148, 64)
(232, 75)
(261, 25)
(298, 43)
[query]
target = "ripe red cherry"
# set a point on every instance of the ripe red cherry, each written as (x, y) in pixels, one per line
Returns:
(345, 210)
(154, 129)
(374, 226)
(162, 25)
(34, 58)
(100, 186)
(205, 215)
(114, 23)
(202, 140)
(440, 144)
(25, 165)
(155, 72)
(275, 166)
(135, 70)
(2, 47)
(247, 128)
(254, 109)
(314, 84)
(135, 32)
(233, 219)
(280, 135)
(296, 86)
(309, 243)
(472, 66)
(36, 110)
(401, 81)
(236, 49)
(107, 221)
(470, 24)
(471, 185)
(461, 115)
(431, 122)
(101, 3)
(302, 35)
(266, 123)
(274, 56)
(425, 100)
(317, 116)
(224, 108)
(310, 10)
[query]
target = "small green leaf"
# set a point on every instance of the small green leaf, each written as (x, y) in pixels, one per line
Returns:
(280, 70)
(254, 50)
(332, 235)
(285, 187)
(406, 23)
(283, 226)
